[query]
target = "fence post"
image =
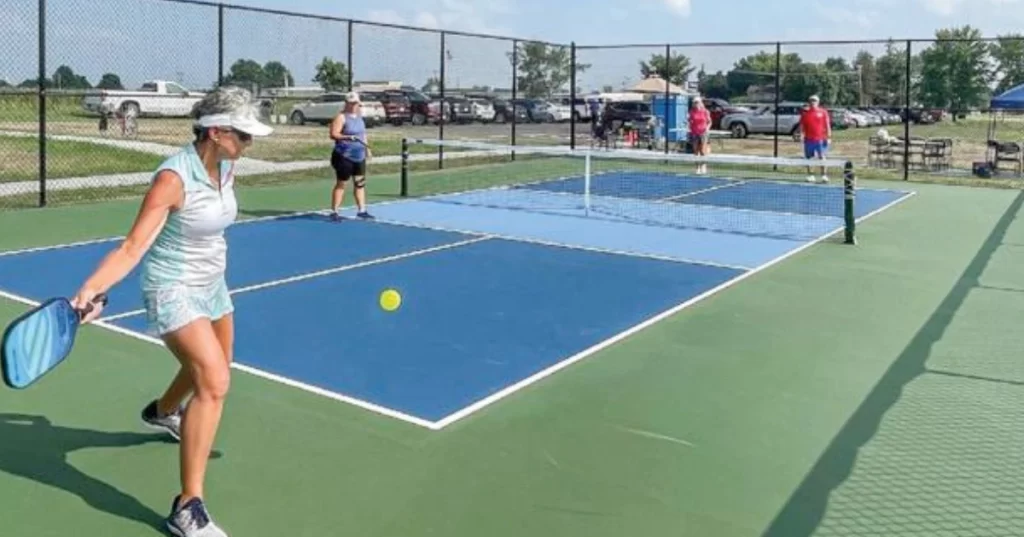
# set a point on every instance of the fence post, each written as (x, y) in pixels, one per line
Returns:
(906, 117)
(668, 56)
(404, 190)
(778, 90)
(348, 59)
(572, 91)
(515, 83)
(41, 88)
(444, 107)
(220, 44)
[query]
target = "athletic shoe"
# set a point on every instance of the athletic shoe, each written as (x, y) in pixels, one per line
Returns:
(192, 520)
(171, 423)
(365, 215)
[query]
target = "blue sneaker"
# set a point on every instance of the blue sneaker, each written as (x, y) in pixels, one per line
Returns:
(192, 520)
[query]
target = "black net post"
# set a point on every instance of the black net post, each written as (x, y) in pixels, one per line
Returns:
(41, 88)
(849, 193)
(444, 107)
(572, 91)
(906, 116)
(405, 168)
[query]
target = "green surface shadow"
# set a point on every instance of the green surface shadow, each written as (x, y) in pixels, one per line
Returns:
(805, 510)
(34, 448)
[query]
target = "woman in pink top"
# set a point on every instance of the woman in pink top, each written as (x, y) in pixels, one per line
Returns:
(700, 123)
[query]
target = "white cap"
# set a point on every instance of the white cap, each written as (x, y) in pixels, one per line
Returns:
(244, 120)
(352, 97)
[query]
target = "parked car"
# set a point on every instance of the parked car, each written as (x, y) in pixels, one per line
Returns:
(396, 105)
(762, 120)
(323, 108)
(155, 98)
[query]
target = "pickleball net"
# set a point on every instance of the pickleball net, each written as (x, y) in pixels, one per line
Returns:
(740, 194)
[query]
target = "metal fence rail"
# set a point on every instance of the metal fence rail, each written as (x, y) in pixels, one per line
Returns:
(902, 109)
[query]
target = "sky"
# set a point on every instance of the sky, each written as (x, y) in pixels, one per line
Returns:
(155, 39)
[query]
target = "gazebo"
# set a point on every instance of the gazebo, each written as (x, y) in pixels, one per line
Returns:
(1011, 150)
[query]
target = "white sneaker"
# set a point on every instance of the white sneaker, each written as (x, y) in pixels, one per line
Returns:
(811, 179)
(192, 520)
(824, 178)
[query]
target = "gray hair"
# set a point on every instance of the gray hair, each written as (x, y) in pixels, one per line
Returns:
(223, 100)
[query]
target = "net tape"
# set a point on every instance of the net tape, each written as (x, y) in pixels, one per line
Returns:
(631, 154)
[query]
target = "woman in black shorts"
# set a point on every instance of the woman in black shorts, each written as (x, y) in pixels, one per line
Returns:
(348, 130)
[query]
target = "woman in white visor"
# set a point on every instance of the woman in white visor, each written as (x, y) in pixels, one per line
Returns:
(178, 237)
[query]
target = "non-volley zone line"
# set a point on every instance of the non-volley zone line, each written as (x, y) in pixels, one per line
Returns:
(333, 270)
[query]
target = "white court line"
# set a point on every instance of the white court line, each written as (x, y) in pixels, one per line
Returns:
(703, 190)
(334, 270)
(509, 390)
(257, 372)
(542, 242)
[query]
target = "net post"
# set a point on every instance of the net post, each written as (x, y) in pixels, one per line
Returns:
(849, 192)
(405, 168)
(586, 181)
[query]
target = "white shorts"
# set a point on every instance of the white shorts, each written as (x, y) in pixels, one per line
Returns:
(173, 307)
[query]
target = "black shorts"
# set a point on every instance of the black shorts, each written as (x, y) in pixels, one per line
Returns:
(345, 169)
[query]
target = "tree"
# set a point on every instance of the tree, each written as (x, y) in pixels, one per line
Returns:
(331, 75)
(110, 81)
(275, 74)
(245, 73)
(543, 70)
(1008, 53)
(676, 69)
(891, 76)
(66, 78)
(955, 72)
(867, 81)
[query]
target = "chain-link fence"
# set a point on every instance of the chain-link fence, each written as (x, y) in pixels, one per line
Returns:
(90, 103)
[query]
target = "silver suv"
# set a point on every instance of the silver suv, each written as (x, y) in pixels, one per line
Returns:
(761, 120)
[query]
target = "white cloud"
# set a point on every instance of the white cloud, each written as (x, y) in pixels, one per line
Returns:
(465, 15)
(679, 7)
(948, 8)
(842, 15)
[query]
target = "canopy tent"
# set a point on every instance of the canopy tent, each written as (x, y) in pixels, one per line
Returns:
(1011, 99)
(1007, 148)
(654, 84)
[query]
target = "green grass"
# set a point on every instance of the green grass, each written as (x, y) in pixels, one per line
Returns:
(24, 107)
(19, 159)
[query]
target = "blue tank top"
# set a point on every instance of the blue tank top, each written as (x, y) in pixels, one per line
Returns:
(350, 149)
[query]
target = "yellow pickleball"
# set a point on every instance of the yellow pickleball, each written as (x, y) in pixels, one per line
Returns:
(390, 300)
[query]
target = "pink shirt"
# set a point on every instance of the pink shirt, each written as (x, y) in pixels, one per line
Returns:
(700, 120)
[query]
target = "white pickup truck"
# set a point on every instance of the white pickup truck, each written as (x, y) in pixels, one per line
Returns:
(156, 98)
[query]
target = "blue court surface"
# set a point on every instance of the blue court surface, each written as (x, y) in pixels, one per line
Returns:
(500, 287)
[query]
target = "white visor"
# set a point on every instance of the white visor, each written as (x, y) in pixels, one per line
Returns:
(243, 120)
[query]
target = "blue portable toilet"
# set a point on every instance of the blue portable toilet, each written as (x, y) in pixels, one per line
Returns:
(674, 111)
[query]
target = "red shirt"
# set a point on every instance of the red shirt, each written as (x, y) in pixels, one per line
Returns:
(700, 120)
(815, 123)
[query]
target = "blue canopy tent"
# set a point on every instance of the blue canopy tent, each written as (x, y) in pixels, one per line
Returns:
(1009, 151)
(1011, 99)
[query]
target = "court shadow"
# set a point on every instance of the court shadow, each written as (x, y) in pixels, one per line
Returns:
(34, 448)
(804, 512)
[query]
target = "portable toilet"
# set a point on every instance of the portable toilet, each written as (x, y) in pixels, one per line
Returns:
(673, 111)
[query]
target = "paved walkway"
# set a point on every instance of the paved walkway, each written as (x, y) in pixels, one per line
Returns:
(245, 166)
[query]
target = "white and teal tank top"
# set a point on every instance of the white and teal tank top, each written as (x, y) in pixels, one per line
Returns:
(190, 249)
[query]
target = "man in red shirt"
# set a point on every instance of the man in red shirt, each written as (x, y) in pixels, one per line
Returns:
(816, 128)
